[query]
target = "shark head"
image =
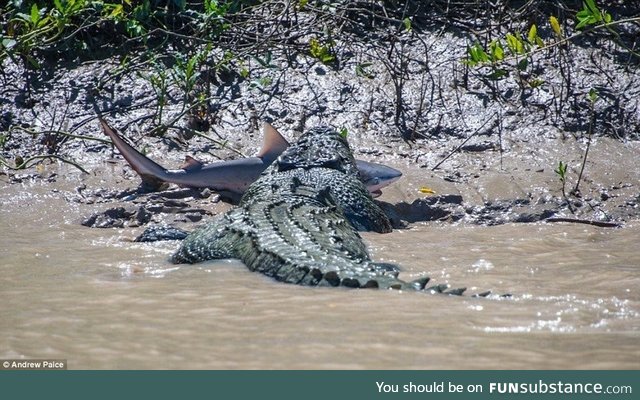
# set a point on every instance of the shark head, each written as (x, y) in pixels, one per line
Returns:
(377, 176)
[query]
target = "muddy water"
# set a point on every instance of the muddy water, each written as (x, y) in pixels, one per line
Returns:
(100, 301)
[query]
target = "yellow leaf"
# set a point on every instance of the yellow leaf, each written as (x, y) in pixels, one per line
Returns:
(555, 25)
(426, 190)
(116, 11)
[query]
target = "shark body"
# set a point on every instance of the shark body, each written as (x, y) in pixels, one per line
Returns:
(233, 177)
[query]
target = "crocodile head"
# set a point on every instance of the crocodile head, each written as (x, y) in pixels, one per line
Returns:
(319, 147)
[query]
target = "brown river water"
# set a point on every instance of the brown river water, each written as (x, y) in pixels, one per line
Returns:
(100, 301)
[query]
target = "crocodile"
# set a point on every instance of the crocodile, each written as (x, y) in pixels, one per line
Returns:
(232, 178)
(299, 222)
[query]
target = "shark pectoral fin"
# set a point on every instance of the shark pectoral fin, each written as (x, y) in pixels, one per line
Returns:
(273, 143)
(191, 164)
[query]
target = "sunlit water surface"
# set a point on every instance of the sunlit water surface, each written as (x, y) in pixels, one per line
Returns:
(100, 301)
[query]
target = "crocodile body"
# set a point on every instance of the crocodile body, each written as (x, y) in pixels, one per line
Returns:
(299, 222)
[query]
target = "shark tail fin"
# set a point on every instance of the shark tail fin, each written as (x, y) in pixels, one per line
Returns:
(152, 174)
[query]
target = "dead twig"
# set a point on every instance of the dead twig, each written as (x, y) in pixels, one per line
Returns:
(602, 224)
(496, 121)
(26, 162)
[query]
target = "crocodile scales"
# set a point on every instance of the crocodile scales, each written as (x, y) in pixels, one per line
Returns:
(298, 222)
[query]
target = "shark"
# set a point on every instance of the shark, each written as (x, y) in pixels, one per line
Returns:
(232, 177)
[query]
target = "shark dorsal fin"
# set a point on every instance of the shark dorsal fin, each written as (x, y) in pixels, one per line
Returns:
(191, 164)
(273, 143)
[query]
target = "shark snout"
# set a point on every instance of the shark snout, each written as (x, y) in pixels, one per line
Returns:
(377, 176)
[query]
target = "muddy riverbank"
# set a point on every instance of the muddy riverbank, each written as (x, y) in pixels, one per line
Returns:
(408, 98)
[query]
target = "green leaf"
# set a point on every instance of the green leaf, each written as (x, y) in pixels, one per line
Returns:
(511, 42)
(361, 70)
(523, 64)
(266, 61)
(497, 74)
(134, 28)
(34, 63)
(497, 52)
(514, 44)
(191, 65)
(583, 14)
(321, 51)
(533, 34)
(593, 9)
(593, 95)
(44, 21)
(469, 62)
(591, 14)
(590, 4)
(561, 171)
(407, 24)
(116, 12)
(534, 83)
(343, 132)
(58, 5)
(35, 14)
(265, 81)
(477, 55)
(584, 22)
